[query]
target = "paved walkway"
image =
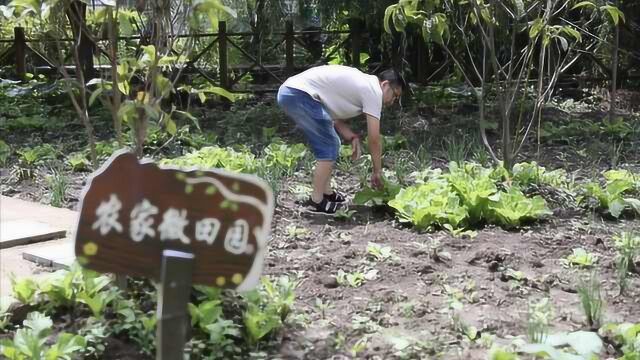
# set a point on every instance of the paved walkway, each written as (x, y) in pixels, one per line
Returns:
(33, 232)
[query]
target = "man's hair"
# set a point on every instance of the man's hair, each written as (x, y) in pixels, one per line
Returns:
(393, 77)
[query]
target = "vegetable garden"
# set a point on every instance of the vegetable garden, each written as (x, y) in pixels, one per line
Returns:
(507, 227)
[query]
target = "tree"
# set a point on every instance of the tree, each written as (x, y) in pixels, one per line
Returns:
(516, 48)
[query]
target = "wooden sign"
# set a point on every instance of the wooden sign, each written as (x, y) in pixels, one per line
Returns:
(131, 212)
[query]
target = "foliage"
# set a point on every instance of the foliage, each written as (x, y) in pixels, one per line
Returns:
(589, 290)
(377, 197)
(37, 155)
(268, 307)
(58, 184)
(29, 342)
(581, 258)
(587, 346)
(220, 320)
(531, 173)
(539, 317)
(212, 157)
(467, 195)
(616, 197)
(627, 335)
(627, 246)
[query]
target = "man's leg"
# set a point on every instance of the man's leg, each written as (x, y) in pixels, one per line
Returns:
(321, 179)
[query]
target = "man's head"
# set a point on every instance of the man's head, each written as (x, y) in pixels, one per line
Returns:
(392, 84)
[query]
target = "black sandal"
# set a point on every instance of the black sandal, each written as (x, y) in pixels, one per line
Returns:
(325, 206)
(335, 197)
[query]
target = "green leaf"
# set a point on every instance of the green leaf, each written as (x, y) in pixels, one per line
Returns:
(583, 4)
(38, 322)
(572, 32)
(66, 345)
(94, 95)
(634, 203)
(171, 126)
(536, 28)
(388, 13)
(616, 207)
(614, 13)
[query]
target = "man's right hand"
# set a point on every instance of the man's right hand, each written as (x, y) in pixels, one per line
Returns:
(376, 181)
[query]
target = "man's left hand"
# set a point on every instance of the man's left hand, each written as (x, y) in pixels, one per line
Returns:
(357, 148)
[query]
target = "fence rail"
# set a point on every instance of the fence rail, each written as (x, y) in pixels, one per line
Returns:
(227, 76)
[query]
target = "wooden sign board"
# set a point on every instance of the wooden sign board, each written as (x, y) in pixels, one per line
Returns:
(131, 212)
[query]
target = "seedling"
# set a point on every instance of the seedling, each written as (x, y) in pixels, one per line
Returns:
(296, 232)
(378, 252)
(580, 258)
(354, 279)
(589, 290)
(323, 307)
(58, 184)
(344, 214)
(628, 248)
(539, 316)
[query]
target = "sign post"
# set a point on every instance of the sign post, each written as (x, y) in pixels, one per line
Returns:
(175, 287)
(180, 227)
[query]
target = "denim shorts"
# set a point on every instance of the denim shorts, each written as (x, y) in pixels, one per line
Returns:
(313, 119)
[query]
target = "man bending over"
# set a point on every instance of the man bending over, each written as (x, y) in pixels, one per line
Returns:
(319, 100)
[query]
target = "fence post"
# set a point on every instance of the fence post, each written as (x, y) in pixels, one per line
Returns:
(355, 28)
(223, 68)
(289, 47)
(20, 46)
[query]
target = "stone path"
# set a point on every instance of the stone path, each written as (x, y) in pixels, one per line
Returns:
(26, 230)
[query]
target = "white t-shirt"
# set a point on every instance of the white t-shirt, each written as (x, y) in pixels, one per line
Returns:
(345, 92)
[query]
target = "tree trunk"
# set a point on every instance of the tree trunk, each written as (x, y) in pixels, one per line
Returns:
(614, 70)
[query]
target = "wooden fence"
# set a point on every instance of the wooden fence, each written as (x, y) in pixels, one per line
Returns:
(225, 75)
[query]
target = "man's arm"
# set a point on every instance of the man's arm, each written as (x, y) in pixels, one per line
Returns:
(375, 148)
(344, 130)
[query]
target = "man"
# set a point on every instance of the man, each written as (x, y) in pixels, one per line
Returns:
(319, 100)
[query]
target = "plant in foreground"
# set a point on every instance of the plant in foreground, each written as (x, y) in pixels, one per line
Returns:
(628, 248)
(589, 290)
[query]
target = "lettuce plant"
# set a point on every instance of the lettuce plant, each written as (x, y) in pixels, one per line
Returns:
(512, 208)
(430, 205)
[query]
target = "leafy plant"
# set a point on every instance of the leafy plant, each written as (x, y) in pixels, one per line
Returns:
(29, 342)
(354, 279)
(268, 306)
(377, 197)
(531, 173)
(24, 290)
(511, 209)
(283, 155)
(615, 198)
(344, 214)
(587, 345)
(378, 252)
(626, 335)
(216, 157)
(32, 156)
(429, 205)
(580, 257)
(627, 246)
(78, 162)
